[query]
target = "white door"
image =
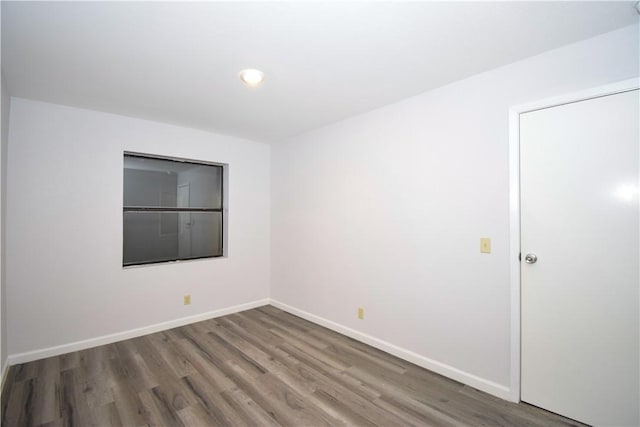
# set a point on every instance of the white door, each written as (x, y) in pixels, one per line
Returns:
(184, 222)
(580, 301)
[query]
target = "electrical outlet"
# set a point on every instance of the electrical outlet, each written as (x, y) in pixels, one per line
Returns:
(187, 299)
(485, 245)
(360, 313)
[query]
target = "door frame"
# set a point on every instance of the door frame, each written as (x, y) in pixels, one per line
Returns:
(514, 206)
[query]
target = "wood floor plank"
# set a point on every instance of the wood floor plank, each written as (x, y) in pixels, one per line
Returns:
(254, 414)
(10, 379)
(354, 405)
(350, 349)
(232, 353)
(329, 394)
(26, 371)
(260, 367)
(205, 366)
(272, 314)
(218, 353)
(342, 410)
(45, 403)
(335, 374)
(211, 401)
(106, 415)
(157, 413)
(255, 336)
(97, 391)
(219, 362)
(130, 408)
(135, 371)
(73, 406)
(69, 361)
(196, 416)
(415, 414)
(391, 390)
(176, 361)
(288, 330)
(16, 413)
(247, 351)
(152, 357)
(95, 361)
(287, 406)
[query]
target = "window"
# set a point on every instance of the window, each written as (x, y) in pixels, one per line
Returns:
(172, 210)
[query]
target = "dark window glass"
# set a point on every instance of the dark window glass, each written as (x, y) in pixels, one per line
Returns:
(172, 210)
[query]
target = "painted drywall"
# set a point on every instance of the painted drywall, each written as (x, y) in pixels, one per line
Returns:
(65, 278)
(385, 211)
(6, 103)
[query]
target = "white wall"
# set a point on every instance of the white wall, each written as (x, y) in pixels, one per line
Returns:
(385, 211)
(65, 279)
(6, 100)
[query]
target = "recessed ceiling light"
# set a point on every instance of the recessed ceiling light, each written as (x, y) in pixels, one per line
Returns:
(251, 77)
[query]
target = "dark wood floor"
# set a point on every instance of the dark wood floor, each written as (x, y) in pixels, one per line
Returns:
(261, 367)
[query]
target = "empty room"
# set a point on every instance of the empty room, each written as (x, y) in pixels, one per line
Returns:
(285, 213)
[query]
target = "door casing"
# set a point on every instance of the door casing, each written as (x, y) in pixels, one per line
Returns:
(514, 207)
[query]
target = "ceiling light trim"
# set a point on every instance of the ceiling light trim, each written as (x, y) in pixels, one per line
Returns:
(251, 77)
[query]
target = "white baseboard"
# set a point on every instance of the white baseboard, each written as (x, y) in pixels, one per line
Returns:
(474, 381)
(479, 383)
(30, 356)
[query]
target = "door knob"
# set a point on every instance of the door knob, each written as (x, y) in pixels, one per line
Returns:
(530, 258)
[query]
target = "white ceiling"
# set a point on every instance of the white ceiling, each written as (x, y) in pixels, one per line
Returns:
(178, 62)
